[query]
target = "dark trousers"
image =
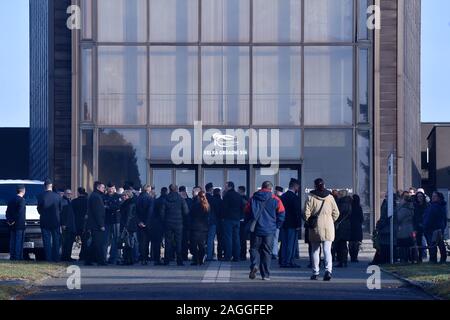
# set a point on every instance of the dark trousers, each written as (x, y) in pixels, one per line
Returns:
(51, 239)
(243, 240)
(433, 248)
(341, 251)
(407, 250)
(289, 240)
(353, 249)
(231, 237)
(96, 252)
(261, 253)
(173, 238)
(185, 245)
(156, 234)
(84, 250)
(16, 239)
(220, 241)
(198, 245)
(144, 243)
(68, 239)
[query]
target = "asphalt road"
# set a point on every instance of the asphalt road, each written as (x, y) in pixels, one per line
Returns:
(223, 281)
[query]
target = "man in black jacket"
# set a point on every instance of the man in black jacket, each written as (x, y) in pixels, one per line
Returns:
(233, 208)
(79, 206)
(173, 209)
(185, 240)
(50, 207)
(157, 228)
(16, 217)
(289, 230)
(144, 207)
(112, 223)
(68, 226)
(96, 225)
(243, 232)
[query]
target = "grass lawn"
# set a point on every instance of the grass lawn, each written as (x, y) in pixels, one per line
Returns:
(27, 273)
(434, 278)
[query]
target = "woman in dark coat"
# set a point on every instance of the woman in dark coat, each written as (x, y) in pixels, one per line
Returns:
(356, 232)
(129, 226)
(199, 228)
(343, 227)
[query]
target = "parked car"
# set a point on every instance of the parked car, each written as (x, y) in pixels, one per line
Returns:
(33, 237)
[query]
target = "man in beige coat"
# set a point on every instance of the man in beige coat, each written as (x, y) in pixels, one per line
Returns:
(321, 211)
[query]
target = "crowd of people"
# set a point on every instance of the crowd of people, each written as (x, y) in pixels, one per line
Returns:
(419, 225)
(127, 226)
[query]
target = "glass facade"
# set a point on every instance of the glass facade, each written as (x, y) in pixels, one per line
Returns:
(149, 67)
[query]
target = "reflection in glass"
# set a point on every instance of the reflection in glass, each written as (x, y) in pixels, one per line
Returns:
(277, 21)
(87, 159)
(122, 20)
(173, 85)
(276, 85)
(363, 167)
(122, 85)
(363, 85)
(161, 178)
(328, 85)
(328, 154)
(328, 20)
(122, 156)
(86, 85)
(173, 20)
(225, 85)
(225, 20)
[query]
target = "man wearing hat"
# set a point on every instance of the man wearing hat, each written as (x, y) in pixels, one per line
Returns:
(288, 232)
(49, 208)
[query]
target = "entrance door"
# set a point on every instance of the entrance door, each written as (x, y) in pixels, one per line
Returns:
(164, 176)
(281, 178)
(220, 176)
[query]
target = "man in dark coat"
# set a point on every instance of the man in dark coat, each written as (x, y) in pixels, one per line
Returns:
(96, 225)
(243, 234)
(292, 222)
(16, 219)
(79, 206)
(356, 221)
(265, 213)
(49, 208)
(185, 241)
(217, 207)
(112, 223)
(343, 228)
(233, 206)
(157, 228)
(212, 223)
(145, 205)
(173, 209)
(68, 226)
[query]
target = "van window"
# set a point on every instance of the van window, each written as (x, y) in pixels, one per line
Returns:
(8, 192)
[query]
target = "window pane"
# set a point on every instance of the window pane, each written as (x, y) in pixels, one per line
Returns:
(277, 21)
(286, 174)
(328, 154)
(363, 169)
(87, 162)
(161, 144)
(173, 20)
(225, 85)
(173, 85)
(86, 85)
(328, 85)
(122, 156)
(290, 144)
(363, 32)
(86, 19)
(363, 85)
(276, 85)
(259, 179)
(122, 85)
(239, 178)
(328, 20)
(161, 178)
(225, 20)
(187, 178)
(122, 20)
(214, 176)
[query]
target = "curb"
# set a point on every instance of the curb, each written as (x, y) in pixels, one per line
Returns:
(412, 283)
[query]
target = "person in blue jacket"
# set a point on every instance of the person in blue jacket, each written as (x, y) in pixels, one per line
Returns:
(434, 225)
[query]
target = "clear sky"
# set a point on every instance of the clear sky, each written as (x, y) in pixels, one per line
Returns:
(14, 62)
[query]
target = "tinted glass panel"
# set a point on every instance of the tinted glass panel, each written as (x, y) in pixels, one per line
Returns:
(86, 19)
(238, 177)
(162, 144)
(187, 178)
(161, 178)
(8, 192)
(215, 176)
(363, 85)
(87, 163)
(86, 85)
(363, 167)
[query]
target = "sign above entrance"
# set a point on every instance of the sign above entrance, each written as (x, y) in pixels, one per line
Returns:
(227, 147)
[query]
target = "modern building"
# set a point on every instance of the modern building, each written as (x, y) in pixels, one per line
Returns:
(343, 96)
(436, 157)
(50, 91)
(14, 162)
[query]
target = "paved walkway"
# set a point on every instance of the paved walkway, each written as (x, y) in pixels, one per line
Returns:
(225, 281)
